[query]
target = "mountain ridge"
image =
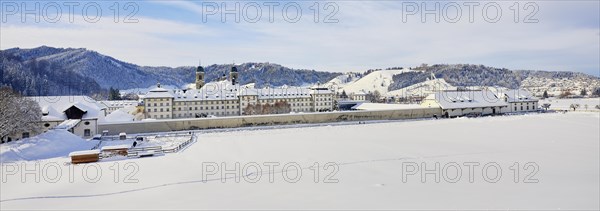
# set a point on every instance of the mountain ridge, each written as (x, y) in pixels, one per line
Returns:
(56, 71)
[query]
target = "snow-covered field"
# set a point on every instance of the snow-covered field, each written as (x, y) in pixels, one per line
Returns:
(377, 166)
(564, 104)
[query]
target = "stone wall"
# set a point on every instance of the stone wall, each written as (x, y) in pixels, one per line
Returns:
(262, 120)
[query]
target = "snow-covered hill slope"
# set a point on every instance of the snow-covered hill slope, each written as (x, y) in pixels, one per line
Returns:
(422, 89)
(379, 80)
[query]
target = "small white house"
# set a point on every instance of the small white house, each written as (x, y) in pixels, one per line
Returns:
(519, 100)
(358, 96)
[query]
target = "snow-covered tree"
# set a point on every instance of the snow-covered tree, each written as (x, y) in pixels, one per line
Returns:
(17, 114)
(583, 92)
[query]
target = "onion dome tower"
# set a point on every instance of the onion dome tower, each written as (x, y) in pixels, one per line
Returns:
(234, 75)
(199, 77)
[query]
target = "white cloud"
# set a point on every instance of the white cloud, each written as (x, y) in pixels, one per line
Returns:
(369, 35)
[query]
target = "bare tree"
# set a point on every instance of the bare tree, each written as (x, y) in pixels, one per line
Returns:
(574, 106)
(546, 106)
(249, 110)
(374, 97)
(17, 114)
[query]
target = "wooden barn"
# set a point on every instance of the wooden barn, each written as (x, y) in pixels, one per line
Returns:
(87, 156)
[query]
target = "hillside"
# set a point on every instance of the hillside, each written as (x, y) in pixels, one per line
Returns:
(66, 71)
(461, 75)
(89, 72)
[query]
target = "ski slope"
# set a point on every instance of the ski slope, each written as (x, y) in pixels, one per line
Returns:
(376, 81)
(370, 159)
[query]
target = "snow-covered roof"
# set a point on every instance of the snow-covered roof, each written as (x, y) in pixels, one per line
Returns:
(159, 93)
(224, 90)
(279, 93)
(119, 103)
(518, 95)
(68, 124)
(119, 116)
(53, 107)
(320, 91)
(467, 99)
(359, 93)
(84, 152)
(422, 89)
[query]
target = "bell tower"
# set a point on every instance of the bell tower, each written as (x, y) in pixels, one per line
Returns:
(234, 75)
(199, 77)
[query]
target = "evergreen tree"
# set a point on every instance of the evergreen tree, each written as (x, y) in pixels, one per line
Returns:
(114, 94)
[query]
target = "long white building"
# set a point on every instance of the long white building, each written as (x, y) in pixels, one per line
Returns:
(481, 102)
(229, 98)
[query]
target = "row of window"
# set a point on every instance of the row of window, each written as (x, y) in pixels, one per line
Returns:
(155, 104)
(159, 110)
(207, 102)
(210, 108)
(157, 99)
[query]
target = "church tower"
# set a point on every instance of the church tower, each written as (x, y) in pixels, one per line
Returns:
(234, 75)
(199, 77)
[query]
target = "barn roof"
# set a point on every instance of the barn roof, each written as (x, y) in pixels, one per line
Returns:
(53, 107)
(518, 95)
(467, 99)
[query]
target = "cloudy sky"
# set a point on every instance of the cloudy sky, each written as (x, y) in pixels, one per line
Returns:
(341, 36)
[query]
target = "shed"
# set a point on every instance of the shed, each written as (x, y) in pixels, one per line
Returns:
(87, 156)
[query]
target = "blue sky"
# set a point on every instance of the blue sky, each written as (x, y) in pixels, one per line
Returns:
(367, 34)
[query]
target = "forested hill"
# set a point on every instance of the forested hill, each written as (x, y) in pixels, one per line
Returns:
(55, 71)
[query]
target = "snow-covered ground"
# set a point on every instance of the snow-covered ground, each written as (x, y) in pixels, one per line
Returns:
(51, 144)
(384, 106)
(565, 104)
(378, 167)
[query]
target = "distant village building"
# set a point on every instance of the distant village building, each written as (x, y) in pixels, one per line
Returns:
(358, 96)
(228, 98)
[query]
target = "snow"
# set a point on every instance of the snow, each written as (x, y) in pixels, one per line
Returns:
(376, 81)
(113, 147)
(565, 104)
(370, 159)
(119, 116)
(51, 144)
(68, 124)
(383, 106)
(224, 90)
(422, 89)
(84, 152)
(467, 99)
(54, 107)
